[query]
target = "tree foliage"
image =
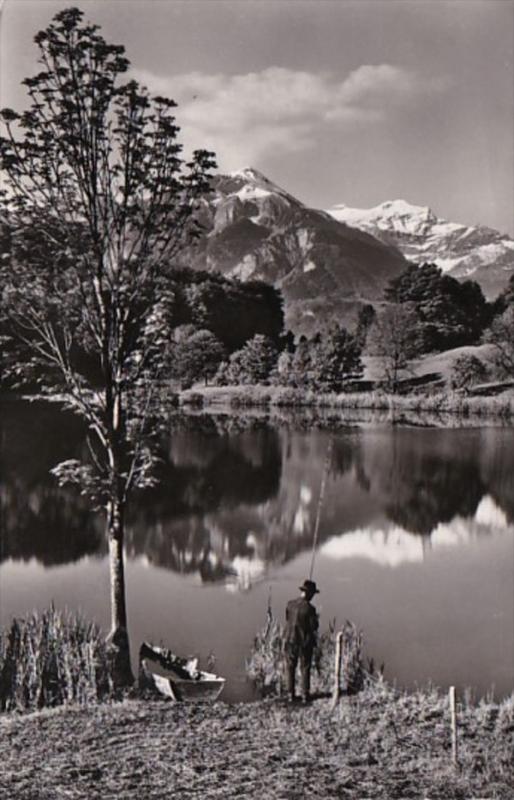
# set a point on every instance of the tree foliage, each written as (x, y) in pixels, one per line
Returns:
(233, 311)
(335, 358)
(253, 364)
(450, 313)
(99, 202)
(325, 361)
(194, 355)
(505, 299)
(501, 336)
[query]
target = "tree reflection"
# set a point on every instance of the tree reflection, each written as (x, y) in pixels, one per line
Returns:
(238, 494)
(37, 518)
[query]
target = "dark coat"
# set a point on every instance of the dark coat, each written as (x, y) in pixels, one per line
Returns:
(301, 624)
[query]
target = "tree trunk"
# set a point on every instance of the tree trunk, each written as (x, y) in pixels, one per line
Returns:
(118, 637)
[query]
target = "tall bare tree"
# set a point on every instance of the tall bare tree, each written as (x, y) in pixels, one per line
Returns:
(393, 338)
(98, 202)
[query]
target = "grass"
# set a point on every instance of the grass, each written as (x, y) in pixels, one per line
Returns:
(375, 743)
(50, 659)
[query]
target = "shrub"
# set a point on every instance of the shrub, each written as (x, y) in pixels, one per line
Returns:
(467, 370)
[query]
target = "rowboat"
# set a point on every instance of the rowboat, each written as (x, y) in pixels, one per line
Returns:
(178, 678)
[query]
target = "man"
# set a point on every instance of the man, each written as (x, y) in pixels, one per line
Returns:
(300, 638)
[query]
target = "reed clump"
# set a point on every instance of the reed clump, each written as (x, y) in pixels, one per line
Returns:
(52, 658)
(265, 665)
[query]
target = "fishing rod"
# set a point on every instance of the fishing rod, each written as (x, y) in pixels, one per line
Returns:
(326, 466)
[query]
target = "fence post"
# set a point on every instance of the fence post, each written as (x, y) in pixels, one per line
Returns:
(337, 669)
(453, 717)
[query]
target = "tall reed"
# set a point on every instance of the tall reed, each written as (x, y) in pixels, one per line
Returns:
(52, 658)
(265, 665)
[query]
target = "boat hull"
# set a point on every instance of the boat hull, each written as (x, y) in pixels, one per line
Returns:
(205, 686)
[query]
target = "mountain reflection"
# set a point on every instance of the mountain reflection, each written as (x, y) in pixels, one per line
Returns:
(392, 545)
(238, 496)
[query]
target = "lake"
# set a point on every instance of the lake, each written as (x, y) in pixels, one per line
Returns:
(415, 541)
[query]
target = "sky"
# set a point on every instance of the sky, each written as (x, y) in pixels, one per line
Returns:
(336, 101)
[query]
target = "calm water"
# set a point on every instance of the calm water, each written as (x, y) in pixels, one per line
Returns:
(416, 540)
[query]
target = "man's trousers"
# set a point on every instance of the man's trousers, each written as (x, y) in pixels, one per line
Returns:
(294, 653)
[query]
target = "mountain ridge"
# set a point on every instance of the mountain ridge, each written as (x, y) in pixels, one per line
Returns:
(328, 263)
(463, 251)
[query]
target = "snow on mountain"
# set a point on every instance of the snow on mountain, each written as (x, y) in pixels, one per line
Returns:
(464, 251)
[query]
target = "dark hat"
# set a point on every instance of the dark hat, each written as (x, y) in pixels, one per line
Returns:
(309, 587)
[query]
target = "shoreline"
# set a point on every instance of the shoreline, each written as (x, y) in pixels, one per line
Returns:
(441, 405)
(377, 744)
(431, 410)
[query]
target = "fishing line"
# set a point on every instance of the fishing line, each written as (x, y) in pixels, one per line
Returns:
(326, 466)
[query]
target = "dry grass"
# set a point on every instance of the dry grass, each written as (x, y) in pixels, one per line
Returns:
(439, 404)
(377, 744)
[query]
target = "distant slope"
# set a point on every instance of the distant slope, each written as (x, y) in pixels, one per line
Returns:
(257, 231)
(479, 253)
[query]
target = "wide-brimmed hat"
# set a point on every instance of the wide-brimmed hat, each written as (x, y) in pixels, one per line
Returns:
(309, 587)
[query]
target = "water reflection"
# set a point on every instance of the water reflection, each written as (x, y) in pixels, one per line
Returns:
(392, 545)
(37, 518)
(237, 497)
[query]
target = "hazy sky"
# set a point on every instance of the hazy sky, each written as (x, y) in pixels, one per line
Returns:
(338, 101)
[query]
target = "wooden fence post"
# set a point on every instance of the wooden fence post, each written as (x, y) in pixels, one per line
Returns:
(337, 669)
(453, 716)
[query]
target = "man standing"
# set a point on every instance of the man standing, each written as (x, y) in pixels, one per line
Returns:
(300, 638)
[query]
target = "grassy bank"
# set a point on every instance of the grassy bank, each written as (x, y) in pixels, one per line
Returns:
(377, 744)
(444, 403)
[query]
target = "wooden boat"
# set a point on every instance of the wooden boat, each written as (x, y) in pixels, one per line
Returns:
(178, 678)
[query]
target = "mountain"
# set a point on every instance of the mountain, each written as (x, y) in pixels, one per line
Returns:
(465, 252)
(254, 230)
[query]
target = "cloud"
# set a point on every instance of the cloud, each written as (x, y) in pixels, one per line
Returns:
(248, 116)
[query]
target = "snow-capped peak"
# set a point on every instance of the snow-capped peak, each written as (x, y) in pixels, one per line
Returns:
(250, 184)
(250, 174)
(421, 236)
(397, 214)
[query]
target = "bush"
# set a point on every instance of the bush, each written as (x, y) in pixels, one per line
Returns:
(467, 371)
(51, 659)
